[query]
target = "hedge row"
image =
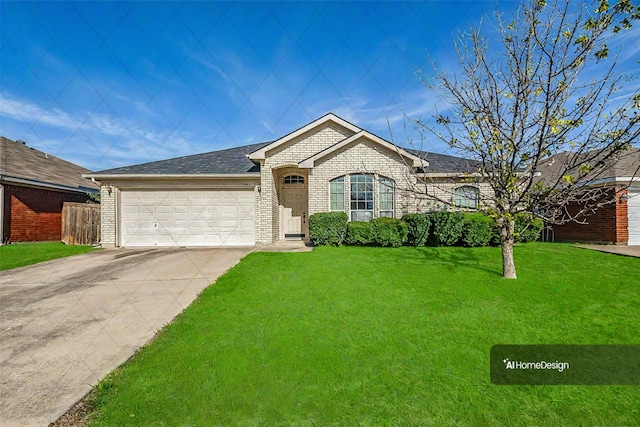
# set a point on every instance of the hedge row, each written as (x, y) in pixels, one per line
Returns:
(433, 229)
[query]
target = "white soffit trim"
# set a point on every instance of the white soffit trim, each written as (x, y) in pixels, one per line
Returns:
(262, 152)
(617, 179)
(416, 161)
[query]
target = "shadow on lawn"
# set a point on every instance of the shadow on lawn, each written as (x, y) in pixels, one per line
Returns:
(454, 258)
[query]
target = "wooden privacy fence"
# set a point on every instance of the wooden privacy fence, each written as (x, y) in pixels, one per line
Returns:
(80, 223)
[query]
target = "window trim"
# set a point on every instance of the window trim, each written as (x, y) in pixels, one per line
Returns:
(335, 180)
(392, 187)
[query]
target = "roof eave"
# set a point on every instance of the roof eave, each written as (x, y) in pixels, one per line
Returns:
(104, 177)
(48, 185)
(449, 174)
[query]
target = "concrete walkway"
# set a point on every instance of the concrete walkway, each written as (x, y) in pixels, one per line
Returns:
(633, 251)
(286, 246)
(65, 324)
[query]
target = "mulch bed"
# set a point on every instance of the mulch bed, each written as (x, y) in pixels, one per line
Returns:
(77, 416)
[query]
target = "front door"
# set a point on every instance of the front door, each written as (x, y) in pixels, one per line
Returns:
(295, 213)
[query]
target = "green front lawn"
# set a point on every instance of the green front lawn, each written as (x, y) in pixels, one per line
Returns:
(21, 254)
(380, 336)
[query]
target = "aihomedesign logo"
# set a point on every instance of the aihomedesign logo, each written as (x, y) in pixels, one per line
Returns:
(541, 365)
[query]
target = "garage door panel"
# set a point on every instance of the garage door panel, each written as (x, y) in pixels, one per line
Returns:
(633, 215)
(187, 218)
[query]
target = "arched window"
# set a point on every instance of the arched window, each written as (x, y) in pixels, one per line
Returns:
(466, 197)
(385, 197)
(336, 194)
(294, 179)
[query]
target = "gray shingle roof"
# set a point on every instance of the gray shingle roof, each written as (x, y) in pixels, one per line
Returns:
(624, 164)
(444, 163)
(234, 161)
(18, 160)
(229, 161)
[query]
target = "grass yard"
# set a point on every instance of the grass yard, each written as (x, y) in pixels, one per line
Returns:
(381, 336)
(21, 254)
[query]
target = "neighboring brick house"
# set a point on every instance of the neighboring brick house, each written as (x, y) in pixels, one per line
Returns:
(33, 187)
(263, 193)
(618, 220)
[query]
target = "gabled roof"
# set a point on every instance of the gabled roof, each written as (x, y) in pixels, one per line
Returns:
(415, 160)
(261, 153)
(24, 165)
(232, 161)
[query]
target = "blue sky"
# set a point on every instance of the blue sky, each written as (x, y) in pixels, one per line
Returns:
(105, 84)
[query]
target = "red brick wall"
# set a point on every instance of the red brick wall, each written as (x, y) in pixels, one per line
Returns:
(33, 215)
(607, 225)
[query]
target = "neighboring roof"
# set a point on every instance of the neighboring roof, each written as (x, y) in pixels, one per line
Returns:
(260, 154)
(446, 164)
(623, 166)
(416, 161)
(223, 162)
(21, 164)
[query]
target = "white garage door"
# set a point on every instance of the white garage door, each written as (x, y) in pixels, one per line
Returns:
(187, 218)
(634, 216)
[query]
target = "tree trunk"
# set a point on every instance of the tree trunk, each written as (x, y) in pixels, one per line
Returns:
(507, 241)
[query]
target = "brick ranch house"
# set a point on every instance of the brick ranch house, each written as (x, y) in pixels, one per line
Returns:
(265, 192)
(618, 221)
(33, 187)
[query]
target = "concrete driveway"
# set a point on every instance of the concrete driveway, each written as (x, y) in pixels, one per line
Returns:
(65, 324)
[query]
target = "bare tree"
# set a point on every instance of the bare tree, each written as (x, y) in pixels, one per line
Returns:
(547, 92)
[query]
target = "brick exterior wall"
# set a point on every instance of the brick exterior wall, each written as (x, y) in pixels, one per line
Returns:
(108, 195)
(362, 157)
(609, 224)
(289, 154)
(34, 214)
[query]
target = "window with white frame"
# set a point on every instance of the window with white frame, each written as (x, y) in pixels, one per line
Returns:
(385, 197)
(361, 197)
(336, 194)
(466, 197)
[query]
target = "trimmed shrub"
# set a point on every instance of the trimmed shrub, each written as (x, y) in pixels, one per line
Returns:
(418, 225)
(527, 227)
(477, 229)
(446, 228)
(359, 233)
(389, 231)
(328, 228)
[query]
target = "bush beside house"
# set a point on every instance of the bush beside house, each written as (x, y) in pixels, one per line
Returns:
(477, 229)
(359, 233)
(435, 229)
(328, 228)
(446, 228)
(389, 232)
(418, 225)
(527, 227)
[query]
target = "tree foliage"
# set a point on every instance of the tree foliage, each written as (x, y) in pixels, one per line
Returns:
(543, 109)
